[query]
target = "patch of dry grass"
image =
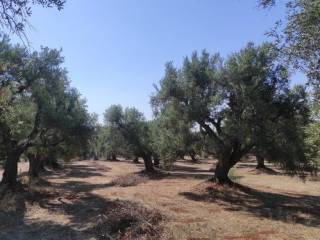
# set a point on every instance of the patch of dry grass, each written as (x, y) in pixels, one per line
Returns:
(129, 180)
(126, 220)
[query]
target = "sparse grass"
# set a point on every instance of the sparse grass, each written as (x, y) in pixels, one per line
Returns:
(193, 231)
(129, 180)
(234, 176)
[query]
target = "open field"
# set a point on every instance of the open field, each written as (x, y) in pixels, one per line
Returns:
(267, 205)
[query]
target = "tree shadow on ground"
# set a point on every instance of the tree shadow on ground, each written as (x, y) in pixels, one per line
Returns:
(266, 170)
(188, 161)
(13, 224)
(86, 210)
(73, 201)
(187, 171)
(291, 208)
(77, 171)
(45, 230)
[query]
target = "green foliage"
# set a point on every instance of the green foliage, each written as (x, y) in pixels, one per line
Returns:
(38, 107)
(313, 137)
(173, 136)
(14, 13)
(132, 126)
(298, 36)
(298, 39)
(164, 141)
(235, 102)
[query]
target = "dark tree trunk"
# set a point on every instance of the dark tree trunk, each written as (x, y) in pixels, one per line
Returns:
(148, 163)
(221, 173)
(136, 160)
(42, 168)
(181, 155)
(114, 157)
(224, 165)
(193, 156)
(156, 161)
(34, 166)
(52, 161)
(10, 173)
(260, 162)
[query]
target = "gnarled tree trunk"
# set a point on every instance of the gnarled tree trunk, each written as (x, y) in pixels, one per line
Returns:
(221, 173)
(260, 161)
(148, 163)
(34, 165)
(10, 173)
(193, 155)
(136, 160)
(52, 161)
(225, 164)
(156, 160)
(181, 155)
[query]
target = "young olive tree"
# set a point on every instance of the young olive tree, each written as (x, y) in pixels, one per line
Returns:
(234, 103)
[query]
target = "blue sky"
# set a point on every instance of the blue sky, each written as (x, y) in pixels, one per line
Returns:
(115, 50)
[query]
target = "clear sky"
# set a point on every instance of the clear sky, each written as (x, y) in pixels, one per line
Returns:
(115, 50)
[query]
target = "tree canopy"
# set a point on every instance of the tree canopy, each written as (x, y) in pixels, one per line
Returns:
(235, 102)
(134, 129)
(38, 107)
(298, 36)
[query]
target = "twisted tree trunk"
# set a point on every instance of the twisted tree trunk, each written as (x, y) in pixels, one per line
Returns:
(260, 162)
(34, 165)
(148, 163)
(193, 155)
(10, 173)
(225, 163)
(221, 173)
(136, 160)
(156, 160)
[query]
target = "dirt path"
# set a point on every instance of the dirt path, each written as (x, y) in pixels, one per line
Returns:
(271, 206)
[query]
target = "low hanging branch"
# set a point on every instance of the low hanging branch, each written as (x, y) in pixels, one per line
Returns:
(14, 14)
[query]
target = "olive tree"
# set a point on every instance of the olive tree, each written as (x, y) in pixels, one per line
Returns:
(173, 136)
(38, 107)
(298, 36)
(134, 129)
(63, 133)
(313, 137)
(234, 102)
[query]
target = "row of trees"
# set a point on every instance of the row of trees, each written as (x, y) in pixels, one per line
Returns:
(243, 104)
(227, 107)
(126, 133)
(41, 116)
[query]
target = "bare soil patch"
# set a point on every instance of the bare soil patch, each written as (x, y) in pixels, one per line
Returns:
(97, 199)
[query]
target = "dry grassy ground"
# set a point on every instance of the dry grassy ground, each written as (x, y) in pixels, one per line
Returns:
(69, 203)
